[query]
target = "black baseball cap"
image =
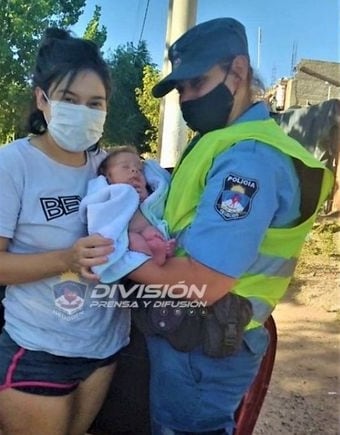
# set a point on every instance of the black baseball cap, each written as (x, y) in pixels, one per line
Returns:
(202, 47)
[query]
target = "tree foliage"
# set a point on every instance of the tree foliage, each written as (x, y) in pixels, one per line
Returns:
(22, 22)
(150, 106)
(92, 30)
(126, 124)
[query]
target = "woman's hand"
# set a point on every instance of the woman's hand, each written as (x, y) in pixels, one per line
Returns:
(88, 252)
(85, 253)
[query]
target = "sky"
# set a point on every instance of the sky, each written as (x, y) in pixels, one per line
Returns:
(291, 30)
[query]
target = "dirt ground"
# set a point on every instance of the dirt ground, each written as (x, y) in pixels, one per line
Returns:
(304, 394)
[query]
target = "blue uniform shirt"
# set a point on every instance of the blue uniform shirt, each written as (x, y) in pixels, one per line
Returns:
(250, 187)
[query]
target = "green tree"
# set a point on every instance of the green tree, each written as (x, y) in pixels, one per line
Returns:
(125, 123)
(92, 30)
(22, 22)
(150, 106)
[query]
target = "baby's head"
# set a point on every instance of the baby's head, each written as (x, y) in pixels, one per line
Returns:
(123, 165)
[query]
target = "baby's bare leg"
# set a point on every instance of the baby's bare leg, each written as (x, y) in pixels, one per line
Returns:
(156, 243)
(138, 222)
(138, 243)
(157, 246)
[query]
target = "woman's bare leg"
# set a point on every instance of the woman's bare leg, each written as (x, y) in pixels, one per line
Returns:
(30, 414)
(89, 398)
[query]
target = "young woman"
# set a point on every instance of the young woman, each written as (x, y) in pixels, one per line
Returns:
(57, 352)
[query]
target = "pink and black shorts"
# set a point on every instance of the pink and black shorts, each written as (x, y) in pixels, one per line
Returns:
(42, 373)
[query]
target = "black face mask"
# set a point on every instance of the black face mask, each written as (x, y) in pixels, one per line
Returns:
(209, 112)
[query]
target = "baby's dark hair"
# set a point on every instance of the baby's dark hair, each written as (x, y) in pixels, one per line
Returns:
(61, 55)
(102, 169)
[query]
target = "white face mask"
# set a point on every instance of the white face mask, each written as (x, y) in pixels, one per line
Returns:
(75, 127)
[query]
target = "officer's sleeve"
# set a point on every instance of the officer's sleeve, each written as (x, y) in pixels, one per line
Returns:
(249, 188)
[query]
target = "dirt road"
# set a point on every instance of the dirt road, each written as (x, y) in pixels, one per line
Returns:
(304, 394)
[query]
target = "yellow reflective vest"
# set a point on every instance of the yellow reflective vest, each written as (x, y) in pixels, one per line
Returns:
(266, 281)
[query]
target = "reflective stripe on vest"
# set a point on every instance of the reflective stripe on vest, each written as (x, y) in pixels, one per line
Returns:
(273, 266)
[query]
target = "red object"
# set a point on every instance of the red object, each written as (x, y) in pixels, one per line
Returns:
(250, 407)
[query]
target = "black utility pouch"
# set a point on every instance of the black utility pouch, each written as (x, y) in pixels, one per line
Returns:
(182, 327)
(224, 325)
(190, 332)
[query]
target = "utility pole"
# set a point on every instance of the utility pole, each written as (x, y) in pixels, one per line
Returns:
(294, 55)
(173, 130)
(259, 42)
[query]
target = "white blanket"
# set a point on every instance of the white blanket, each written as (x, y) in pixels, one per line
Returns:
(108, 209)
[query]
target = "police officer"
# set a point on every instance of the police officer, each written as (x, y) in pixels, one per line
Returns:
(241, 206)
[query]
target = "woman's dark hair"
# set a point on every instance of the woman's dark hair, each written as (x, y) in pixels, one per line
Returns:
(61, 55)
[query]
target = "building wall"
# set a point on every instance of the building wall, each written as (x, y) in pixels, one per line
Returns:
(304, 89)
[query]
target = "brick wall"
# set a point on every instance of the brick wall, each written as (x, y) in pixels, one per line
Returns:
(307, 89)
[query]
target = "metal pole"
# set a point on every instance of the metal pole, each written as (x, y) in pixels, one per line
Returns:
(259, 41)
(173, 134)
(165, 71)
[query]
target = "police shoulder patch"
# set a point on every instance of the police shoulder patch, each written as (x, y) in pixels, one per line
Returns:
(235, 198)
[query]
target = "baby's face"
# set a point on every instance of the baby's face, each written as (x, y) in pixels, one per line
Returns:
(127, 168)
